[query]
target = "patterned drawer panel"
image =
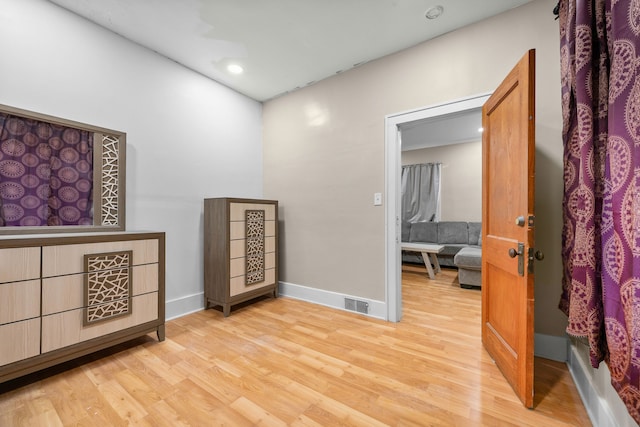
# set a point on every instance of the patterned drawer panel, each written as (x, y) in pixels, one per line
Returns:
(237, 210)
(19, 301)
(20, 340)
(69, 259)
(238, 284)
(67, 292)
(19, 264)
(66, 328)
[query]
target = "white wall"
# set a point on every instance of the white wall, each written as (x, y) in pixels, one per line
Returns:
(460, 180)
(188, 137)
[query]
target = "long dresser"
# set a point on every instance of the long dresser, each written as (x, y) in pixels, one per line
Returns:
(64, 296)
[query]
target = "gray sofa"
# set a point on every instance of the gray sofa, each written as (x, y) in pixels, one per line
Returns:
(462, 246)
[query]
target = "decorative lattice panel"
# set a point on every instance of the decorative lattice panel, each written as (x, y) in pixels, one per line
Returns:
(255, 232)
(107, 286)
(110, 179)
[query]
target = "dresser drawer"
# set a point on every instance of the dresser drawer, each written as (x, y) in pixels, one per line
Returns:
(237, 210)
(69, 259)
(66, 328)
(19, 301)
(20, 340)
(238, 248)
(64, 293)
(238, 285)
(19, 264)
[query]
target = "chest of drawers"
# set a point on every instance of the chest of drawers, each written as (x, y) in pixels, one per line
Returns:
(240, 250)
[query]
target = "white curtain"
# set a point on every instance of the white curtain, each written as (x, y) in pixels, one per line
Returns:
(421, 192)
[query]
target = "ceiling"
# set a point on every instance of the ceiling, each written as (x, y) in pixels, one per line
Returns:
(282, 45)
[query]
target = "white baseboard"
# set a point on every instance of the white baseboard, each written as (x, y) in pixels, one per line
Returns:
(551, 347)
(377, 309)
(603, 405)
(184, 305)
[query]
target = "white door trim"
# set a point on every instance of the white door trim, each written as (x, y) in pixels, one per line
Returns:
(393, 144)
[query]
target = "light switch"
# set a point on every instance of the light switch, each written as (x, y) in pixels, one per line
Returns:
(377, 199)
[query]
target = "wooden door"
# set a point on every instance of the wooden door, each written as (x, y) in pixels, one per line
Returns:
(508, 154)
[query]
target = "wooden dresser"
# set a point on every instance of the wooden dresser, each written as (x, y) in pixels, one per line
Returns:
(240, 250)
(64, 296)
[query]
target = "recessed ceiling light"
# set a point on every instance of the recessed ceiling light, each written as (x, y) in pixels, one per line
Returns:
(235, 69)
(434, 12)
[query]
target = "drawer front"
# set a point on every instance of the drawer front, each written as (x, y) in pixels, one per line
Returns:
(19, 264)
(20, 340)
(19, 301)
(238, 247)
(66, 328)
(237, 266)
(69, 259)
(238, 284)
(237, 229)
(237, 210)
(64, 293)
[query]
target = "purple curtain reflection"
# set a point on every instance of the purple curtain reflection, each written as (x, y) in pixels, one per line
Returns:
(46, 173)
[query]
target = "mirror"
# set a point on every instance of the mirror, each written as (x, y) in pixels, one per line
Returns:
(58, 175)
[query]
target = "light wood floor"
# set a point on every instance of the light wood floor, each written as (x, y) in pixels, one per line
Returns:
(285, 362)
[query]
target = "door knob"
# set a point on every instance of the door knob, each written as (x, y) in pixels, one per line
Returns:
(539, 255)
(513, 253)
(520, 221)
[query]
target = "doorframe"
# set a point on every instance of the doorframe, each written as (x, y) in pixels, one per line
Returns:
(393, 156)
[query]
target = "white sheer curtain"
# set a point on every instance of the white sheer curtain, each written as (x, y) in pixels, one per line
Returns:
(421, 192)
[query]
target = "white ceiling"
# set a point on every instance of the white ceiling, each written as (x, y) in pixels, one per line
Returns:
(282, 45)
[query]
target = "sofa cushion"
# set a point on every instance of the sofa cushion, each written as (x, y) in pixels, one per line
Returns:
(469, 257)
(453, 232)
(406, 230)
(424, 232)
(451, 250)
(475, 233)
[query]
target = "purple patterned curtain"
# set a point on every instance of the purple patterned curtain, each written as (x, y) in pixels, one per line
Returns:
(600, 66)
(46, 173)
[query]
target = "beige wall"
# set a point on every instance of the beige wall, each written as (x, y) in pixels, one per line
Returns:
(460, 180)
(324, 151)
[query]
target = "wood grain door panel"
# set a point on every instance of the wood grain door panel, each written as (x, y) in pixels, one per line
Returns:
(508, 165)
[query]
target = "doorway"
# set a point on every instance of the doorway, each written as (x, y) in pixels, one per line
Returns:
(393, 153)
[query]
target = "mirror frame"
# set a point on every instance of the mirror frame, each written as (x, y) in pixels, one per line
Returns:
(109, 177)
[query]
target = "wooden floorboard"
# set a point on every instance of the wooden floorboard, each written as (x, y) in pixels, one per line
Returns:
(283, 362)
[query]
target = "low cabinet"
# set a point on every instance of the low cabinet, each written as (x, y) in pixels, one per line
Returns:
(65, 296)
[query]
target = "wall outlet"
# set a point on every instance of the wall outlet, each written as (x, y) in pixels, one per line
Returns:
(377, 199)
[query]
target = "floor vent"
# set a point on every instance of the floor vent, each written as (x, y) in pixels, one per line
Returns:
(355, 305)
